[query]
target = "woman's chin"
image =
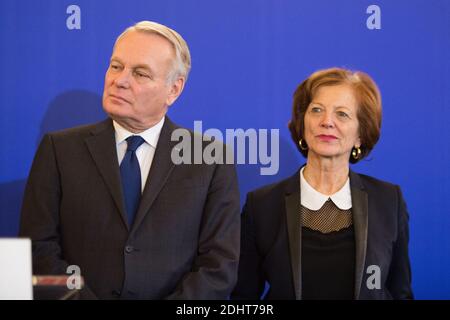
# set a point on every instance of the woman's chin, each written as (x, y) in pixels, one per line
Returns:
(328, 154)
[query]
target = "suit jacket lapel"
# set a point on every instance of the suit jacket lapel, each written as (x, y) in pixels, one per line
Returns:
(102, 146)
(292, 203)
(160, 170)
(360, 219)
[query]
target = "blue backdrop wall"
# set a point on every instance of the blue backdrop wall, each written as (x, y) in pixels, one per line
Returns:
(248, 57)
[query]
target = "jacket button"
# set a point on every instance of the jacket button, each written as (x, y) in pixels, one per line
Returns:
(129, 249)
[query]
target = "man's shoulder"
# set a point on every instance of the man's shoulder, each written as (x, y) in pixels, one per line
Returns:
(177, 133)
(82, 130)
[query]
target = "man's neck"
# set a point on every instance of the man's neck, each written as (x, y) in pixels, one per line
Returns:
(135, 127)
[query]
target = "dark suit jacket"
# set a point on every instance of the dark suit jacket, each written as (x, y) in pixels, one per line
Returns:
(271, 240)
(183, 244)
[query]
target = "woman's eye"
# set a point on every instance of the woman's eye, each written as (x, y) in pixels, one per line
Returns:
(316, 109)
(342, 114)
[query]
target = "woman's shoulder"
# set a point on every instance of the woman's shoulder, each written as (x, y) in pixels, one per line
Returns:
(278, 188)
(373, 184)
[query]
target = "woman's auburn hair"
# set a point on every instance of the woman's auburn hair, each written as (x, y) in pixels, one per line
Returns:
(367, 95)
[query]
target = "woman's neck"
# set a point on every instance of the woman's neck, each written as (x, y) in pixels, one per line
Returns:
(326, 175)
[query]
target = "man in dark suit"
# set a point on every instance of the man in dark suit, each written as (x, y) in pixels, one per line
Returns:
(109, 199)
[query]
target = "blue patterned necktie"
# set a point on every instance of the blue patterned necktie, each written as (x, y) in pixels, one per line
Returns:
(131, 177)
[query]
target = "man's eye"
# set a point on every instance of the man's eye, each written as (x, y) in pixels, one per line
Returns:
(141, 74)
(114, 67)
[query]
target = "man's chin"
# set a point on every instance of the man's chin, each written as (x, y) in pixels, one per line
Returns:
(119, 118)
(126, 122)
(117, 115)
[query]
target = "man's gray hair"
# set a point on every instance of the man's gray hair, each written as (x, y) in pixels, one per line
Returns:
(182, 62)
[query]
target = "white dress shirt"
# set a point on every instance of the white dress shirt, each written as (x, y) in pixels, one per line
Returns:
(314, 200)
(145, 152)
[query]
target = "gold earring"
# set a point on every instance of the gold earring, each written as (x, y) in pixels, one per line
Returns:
(356, 153)
(303, 147)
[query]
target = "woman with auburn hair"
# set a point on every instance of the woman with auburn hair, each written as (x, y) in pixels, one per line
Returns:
(328, 232)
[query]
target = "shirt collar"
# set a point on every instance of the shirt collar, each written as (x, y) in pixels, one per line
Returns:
(151, 135)
(314, 200)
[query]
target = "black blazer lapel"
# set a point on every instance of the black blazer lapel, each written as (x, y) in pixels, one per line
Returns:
(292, 203)
(102, 146)
(360, 207)
(161, 167)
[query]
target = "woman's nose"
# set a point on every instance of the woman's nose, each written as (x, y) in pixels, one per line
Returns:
(327, 120)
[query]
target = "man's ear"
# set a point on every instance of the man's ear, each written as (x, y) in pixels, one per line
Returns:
(176, 88)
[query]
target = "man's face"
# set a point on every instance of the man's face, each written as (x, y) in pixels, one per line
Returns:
(137, 94)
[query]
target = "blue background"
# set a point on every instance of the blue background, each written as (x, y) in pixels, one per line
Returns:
(248, 56)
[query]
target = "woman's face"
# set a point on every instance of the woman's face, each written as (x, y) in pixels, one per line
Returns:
(331, 123)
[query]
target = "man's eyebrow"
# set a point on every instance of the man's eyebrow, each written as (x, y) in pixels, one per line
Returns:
(142, 66)
(137, 66)
(114, 59)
